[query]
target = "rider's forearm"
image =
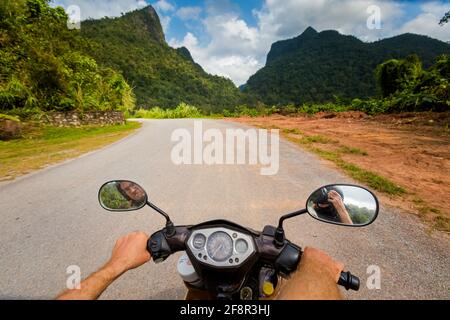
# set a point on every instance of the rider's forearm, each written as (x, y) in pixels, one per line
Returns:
(92, 287)
(343, 214)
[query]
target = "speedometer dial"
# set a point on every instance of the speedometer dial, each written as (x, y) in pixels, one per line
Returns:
(219, 246)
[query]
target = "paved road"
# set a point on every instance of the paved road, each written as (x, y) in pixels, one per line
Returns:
(51, 219)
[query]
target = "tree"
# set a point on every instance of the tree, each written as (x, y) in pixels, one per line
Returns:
(44, 67)
(394, 75)
(445, 19)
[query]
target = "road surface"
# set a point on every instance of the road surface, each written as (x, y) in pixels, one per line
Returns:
(51, 220)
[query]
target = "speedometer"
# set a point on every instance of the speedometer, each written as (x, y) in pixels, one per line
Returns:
(219, 246)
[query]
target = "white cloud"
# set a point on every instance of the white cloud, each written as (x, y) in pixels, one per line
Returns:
(189, 13)
(189, 41)
(237, 50)
(231, 51)
(165, 22)
(283, 19)
(426, 23)
(235, 66)
(164, 6)
(99, 8)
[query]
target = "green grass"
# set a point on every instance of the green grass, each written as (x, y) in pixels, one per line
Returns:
(438, 219)
(309, 140)
(442, 222)
(9, 117)
(369, 178)
(292, 131)
(318, 139)
(352, 150)
(181, 112)
(328, 155)
(372, 179)
(45, 145)
(55, 134)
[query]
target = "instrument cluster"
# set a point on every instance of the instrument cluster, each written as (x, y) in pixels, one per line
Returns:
(221, 247)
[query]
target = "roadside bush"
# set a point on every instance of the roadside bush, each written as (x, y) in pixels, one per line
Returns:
(409, 88)
(396, 75)
(326, 107)
(8, 117)
(371, 107)
(182, 111)
(288, 110)
(245, 111)
(228, 114)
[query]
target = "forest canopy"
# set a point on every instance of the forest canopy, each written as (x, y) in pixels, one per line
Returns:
(321, 67)
(43, 65)
(124, 63)
(161, 76)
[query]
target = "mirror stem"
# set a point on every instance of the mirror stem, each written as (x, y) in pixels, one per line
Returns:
(289, 216)
(160, 211)
(170, 229)
(279, 232)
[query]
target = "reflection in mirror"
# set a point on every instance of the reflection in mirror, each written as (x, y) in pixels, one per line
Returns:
(341, 204)
(122, 196)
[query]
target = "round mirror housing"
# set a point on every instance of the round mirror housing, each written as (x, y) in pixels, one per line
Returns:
(122, 195)
(346, 205)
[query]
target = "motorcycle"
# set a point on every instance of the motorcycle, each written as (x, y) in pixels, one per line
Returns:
(226, 261)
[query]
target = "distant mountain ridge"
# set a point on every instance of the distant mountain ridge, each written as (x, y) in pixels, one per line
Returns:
(161, 76)
(318, 67)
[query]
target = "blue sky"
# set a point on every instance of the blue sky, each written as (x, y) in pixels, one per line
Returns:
(232, 38)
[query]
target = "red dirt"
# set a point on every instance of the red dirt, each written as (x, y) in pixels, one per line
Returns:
(412, 150)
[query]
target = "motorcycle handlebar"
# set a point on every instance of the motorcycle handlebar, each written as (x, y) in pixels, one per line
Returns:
(162, 247)
(349, 281)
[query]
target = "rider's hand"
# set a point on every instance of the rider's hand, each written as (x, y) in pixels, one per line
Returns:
(335, 199)
(130, 252)
(314, 259)
(315, 279)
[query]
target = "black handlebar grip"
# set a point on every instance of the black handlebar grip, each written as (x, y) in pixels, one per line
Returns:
(158, 247)
(349, 281)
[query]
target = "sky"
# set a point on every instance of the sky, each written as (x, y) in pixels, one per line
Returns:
(232, 38)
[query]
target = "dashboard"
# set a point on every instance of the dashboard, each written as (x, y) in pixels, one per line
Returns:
(221, 247)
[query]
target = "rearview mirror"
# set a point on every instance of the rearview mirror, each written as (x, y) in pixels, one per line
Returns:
(122, 195)
(344, 205)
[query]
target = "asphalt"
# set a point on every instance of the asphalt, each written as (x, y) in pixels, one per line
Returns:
(51, 219)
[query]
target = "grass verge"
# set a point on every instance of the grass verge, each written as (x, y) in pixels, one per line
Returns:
(367, 177)
(434, 217)
(45, 145)
(373, 180)
(353, 150)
